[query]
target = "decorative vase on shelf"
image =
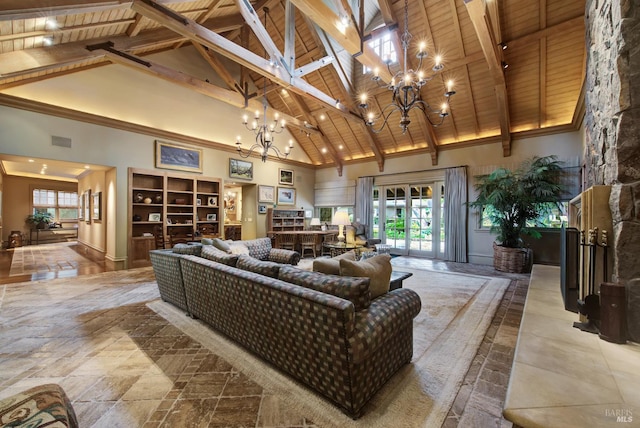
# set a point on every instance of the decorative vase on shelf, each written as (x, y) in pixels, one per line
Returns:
(158, 199)
(136, 217)
(138, 198)
(147, 200)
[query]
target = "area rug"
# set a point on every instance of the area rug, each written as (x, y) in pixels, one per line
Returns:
(44, 258)
(457, 310)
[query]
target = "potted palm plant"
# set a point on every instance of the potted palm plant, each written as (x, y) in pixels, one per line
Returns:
(39, 220)
(513, 200)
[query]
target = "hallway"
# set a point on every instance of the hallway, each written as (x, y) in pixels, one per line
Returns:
(85, 266)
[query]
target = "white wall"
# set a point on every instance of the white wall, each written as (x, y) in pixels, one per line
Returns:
(25, 133)
(481, 159)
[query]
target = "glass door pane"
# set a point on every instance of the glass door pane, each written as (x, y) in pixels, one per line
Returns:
(395, 215)
(421, 236)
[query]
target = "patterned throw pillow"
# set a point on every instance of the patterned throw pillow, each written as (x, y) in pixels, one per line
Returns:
(192, 249)
(212, 253)
(221, 245)
(356, 290)
(377, 269)
(251, 264)
(207, 241)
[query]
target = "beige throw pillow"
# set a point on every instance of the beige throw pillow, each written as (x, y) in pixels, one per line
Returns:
(377, 269)
(332, 266)
(239, 249)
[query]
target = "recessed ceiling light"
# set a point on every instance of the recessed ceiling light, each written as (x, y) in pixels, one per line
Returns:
(87, 167)
(51, 24)
(31, 160)
(324, 150)
(340, 146)
(323, 117)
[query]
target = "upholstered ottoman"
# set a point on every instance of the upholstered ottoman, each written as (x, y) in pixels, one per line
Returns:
(41, 406)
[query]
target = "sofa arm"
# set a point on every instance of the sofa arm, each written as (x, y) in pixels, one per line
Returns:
(279, 255)
(382, 320)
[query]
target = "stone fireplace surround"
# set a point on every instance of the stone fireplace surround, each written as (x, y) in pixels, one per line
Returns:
(612, 128)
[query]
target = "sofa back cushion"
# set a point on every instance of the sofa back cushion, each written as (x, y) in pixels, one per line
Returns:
(259, 248)
(377, 269)
(191, 249)
(212, 253)
(356, 290)
(251, 264)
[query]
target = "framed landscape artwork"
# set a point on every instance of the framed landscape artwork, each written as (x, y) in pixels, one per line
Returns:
(286, 196)
(266, 194)
(181, 158)
(240, 169)
(285, 177)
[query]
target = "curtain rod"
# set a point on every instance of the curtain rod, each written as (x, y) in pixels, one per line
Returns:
(413, 172)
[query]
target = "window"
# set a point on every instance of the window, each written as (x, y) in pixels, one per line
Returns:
(552, 215)
(326, 213)
(62, 205)
(384, 48)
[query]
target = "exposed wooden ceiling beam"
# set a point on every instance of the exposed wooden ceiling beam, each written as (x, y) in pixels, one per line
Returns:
(253, 21)
(481, 24)
(28, 61)
(559, 28)
(326, 19)
(346, 91)
(229, 97)
(217, 66)
(196, 32)
(26, 9)
(302, 106)
(65, 30)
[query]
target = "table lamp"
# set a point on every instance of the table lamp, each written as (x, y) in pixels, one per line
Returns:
(315, 222)
(341, 218)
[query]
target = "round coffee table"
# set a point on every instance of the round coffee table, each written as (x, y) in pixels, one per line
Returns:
(337, 248)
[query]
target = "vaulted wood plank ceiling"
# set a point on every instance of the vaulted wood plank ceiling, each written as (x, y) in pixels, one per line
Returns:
(320, 64)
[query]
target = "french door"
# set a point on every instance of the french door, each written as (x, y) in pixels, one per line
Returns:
(410, 218)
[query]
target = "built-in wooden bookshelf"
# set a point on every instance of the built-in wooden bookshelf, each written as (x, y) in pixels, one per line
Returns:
(173, 204)
(285, 220)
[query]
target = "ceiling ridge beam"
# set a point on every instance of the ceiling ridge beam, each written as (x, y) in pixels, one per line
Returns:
(558, 28)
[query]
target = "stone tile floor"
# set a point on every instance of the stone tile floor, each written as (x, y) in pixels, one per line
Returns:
(199, 375)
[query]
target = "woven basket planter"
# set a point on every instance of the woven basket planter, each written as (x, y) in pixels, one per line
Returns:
(514, 260)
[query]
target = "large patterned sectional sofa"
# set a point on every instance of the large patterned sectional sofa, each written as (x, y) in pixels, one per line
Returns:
(323, 330)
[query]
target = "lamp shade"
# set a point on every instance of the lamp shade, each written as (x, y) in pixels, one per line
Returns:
(315, 221)
(341, 218)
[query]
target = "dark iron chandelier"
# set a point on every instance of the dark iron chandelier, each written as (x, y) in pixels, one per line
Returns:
(264, 131)
(406, 85)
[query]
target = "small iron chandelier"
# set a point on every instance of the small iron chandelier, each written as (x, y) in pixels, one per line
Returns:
(406, 85)
(264, 131)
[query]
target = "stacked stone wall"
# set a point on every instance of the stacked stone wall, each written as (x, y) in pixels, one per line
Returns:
(612, 122)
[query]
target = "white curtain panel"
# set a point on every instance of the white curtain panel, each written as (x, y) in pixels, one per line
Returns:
(364, 202)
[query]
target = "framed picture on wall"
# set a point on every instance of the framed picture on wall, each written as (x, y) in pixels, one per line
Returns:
(262, 209)
(240, 169)
(87, 205)
(286, 196)
(181, 158)
(266, 194)
(285, 177)
(97, 206)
